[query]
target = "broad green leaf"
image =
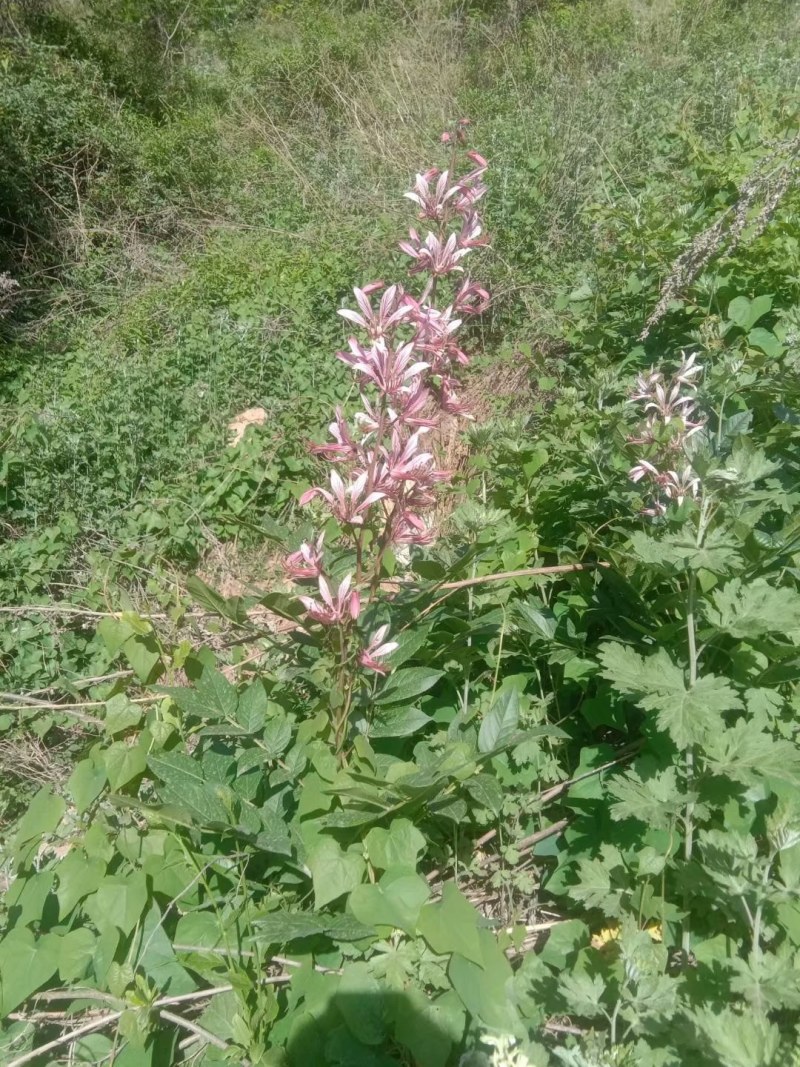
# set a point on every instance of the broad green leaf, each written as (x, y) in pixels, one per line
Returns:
(766, 341)
(277, 737)
(746, 313)
(233, 608)
(157, 957)
(451, 925)
(86, 783)
(26, 963)
(425, 1028)
(598, 881)
(78, 875)
(500, 722)
(184, 786)
(274, 833)
(487, 791)
(251, 711)
(397, 722)
(399, 846)
(213, 697)
(394, 901)
(689, 714)
(118, 902)
(123, 762)
(404, 685)
(333, 871)
(750, 609)
(75, 952)
(281, 927)
(485, 987)
(143, 654)
(121, 714)
(362, 1004)
(44, 814)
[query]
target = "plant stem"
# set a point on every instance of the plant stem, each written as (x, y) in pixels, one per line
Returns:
(689, 765)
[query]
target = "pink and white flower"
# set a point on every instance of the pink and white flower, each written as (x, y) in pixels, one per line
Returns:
(332, 610)
(376, 650)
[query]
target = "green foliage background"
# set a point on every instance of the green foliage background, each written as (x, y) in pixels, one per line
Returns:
(187, 195)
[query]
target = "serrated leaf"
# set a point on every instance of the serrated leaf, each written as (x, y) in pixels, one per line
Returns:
(655, 801)
(737, 1039)
(500, 722)
(746, 753)
(687, 713)
(750, 609)
(582, 993)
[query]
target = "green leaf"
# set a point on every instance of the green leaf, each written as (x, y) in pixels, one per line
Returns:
(766, 341)
(451, 925)
(399, 846)
(487, 791)
(689, 714)
(746, 313)
(485, 987)
(362, 1005)
(143, 654)
(737, 1039)
(184, 786)
(395, 901)
(78, 876)
(425, 1028)
(750, 609)
(656, 800)
(274, 835)
(118, 902)
(333, 871)
(25, 964)
(251, 712)
(75, 952)
(86, 783)
(404, 685)
(747, 753)
(158, 960)
(123, 762)
(233, 608)
(44, 814)
(582, 994)
(501, 721)
(277, 737)
(397, 722)
(212, 698)
(121, 714)
(281, 927)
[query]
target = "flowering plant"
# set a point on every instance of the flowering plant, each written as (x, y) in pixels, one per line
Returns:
(382, 483)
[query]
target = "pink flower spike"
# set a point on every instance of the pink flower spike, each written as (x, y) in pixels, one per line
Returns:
(306, 562)
(333, 610)
(643, 469)
(376, 650)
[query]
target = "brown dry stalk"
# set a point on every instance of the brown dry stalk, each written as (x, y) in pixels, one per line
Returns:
(766, 185)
